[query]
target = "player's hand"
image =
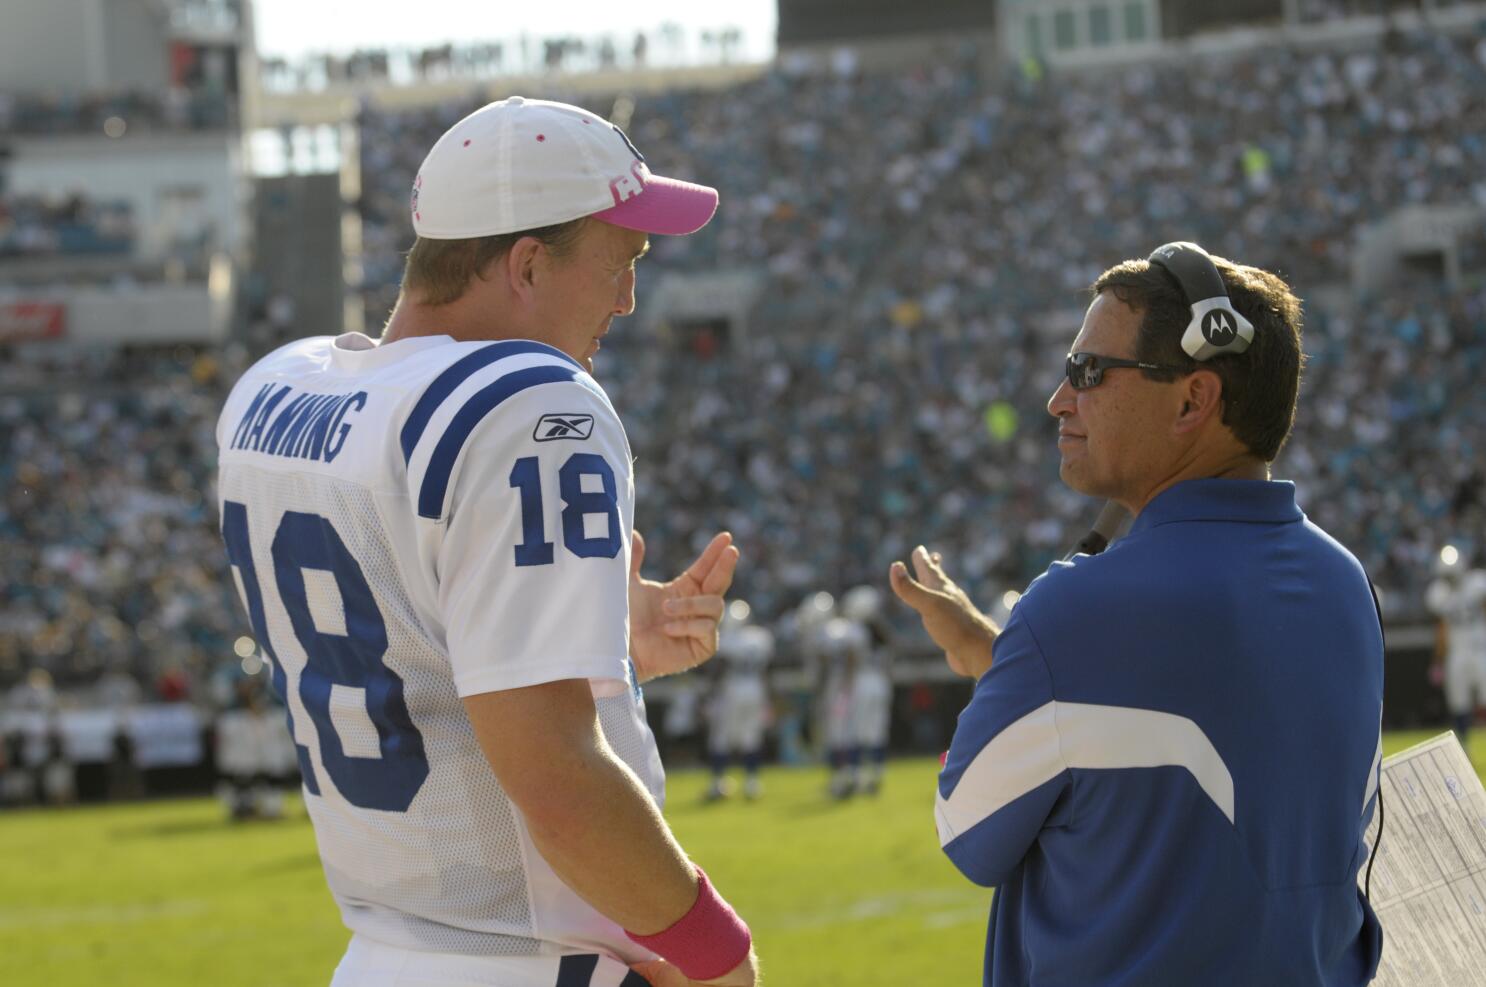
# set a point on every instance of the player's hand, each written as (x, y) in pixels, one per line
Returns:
(662, 974)
(673, 626)
(965, 634)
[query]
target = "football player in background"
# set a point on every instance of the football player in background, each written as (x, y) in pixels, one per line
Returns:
(871, 703)
(253, 755)
(1457, 598)
(739, 711)
(843, 649)
(432, 534)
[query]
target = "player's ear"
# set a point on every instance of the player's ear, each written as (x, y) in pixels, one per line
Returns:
(1201, 397)
(521, 264)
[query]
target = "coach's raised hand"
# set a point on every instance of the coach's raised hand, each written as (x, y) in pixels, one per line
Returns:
(673, 626)
(965, 634)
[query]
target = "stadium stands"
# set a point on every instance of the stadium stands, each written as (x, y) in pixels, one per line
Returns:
(176, 109)
(32, 226)
(109, 556)
(925, 236)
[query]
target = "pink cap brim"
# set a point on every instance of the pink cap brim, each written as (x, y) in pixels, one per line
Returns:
(666, 206)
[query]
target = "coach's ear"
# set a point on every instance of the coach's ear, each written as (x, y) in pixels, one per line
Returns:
(1201, 397)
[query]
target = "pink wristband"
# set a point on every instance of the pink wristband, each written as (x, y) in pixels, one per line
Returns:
(707, 941)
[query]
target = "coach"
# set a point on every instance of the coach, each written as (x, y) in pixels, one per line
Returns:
(1172, 750)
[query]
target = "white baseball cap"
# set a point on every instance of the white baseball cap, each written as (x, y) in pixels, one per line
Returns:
(521, 164)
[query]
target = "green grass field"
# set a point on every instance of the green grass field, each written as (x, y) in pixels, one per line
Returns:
(169, 893)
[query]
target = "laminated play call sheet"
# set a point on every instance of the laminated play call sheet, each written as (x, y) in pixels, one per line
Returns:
(1429, 878)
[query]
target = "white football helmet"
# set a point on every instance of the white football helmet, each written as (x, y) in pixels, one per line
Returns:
(841, 637)
(862, 603)
(816, 609)
(736, 615)
(1449, 562)
(755, 644)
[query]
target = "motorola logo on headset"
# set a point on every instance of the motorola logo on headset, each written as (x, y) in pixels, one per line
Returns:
(1218, 328)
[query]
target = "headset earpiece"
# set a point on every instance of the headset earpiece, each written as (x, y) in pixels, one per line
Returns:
(1216, 327)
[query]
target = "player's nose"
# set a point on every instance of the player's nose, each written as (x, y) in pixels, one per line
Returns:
(625, 303)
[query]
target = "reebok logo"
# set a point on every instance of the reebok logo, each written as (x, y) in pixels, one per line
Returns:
(550, 428)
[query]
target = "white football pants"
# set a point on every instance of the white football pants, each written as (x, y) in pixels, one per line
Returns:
(374, 964)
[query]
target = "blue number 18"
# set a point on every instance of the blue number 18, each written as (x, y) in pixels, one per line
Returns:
(353, 660)
(535, 549)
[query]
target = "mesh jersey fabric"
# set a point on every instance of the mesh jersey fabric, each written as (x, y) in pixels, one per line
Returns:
(410, 524)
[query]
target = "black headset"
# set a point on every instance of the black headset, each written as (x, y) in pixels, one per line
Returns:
(1216, 327)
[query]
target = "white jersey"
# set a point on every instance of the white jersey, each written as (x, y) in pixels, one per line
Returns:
(1461, 604)
(871, 694)
(845, 646)
(408, 525)
(740, 710)
(841, 644)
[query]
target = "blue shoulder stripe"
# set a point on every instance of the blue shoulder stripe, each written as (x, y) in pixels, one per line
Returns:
(441, 464)
(457, 373)
(576, 969)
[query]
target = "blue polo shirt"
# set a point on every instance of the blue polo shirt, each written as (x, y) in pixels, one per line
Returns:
(1168, 769)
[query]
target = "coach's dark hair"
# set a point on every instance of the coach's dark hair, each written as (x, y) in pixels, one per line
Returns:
(1261, 384)
(438, 271)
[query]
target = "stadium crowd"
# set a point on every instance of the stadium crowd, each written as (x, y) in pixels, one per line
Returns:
(31, 226)
(923, 270)
(114, 113)
(523, 54)
(109, 553)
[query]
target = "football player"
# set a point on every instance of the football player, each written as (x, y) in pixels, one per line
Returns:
(871, 704)
(843, 648)
(1457, 598)
(740, 707)
(432, 534)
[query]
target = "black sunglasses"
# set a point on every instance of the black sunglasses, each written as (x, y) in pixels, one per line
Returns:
(1086, 370)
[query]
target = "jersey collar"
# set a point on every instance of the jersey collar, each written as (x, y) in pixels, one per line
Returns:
(357, 352)
(1252, 501)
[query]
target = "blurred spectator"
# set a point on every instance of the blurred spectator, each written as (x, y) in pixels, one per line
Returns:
(124, 778)
(117, 690)
(58, 776)
(17, 782)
